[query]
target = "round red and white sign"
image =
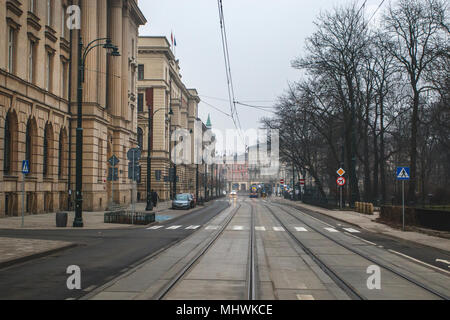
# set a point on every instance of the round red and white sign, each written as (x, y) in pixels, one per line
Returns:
(340, 181)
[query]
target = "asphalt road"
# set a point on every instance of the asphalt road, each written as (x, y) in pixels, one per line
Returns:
(414, 250)
(101, 256)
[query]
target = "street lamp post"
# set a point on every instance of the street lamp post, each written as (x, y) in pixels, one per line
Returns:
(82, 54)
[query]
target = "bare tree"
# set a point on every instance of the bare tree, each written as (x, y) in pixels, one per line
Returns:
(415, 29)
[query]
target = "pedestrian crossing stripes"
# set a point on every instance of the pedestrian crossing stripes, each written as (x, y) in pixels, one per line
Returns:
(351, 230)
(243, 228)
(173, 227)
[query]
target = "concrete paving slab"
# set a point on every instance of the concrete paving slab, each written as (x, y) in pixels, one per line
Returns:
(284, 294)
(266, 291)
(208, 290)
(110, 295)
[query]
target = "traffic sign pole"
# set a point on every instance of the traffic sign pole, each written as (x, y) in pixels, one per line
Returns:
(112, 183)
(403, 173)
(23, 199)
(403, 203)
(340, 197)
(25, 170)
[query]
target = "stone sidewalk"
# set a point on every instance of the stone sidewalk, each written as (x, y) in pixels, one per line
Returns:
(91, 220)
(368, 222)
(15, 250)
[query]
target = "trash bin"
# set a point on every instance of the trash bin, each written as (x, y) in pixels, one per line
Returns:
(61, 219)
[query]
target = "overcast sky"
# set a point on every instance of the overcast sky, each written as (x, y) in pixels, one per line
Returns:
(264, 36)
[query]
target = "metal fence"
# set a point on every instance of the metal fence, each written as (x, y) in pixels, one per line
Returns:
(128, 217)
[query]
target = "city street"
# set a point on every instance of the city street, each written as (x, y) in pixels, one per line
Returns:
(237, 249)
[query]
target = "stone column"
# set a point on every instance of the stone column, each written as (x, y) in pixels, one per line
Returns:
(89, 33)
(125, 65)
(115, 67)
(102, 33)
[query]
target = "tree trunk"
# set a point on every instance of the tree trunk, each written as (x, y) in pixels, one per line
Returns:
(411, 198)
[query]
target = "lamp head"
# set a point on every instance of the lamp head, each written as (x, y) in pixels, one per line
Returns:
(108, 45)
(115, 52)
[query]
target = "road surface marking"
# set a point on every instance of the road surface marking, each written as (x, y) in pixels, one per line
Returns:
(212, 228)
(238, 228)
(192, 227)
(301, 229)
(418, 261)
(278, 229)
(154, 227)
(331, 229)
(364, 240)
(260, 228)
(173, 227)
(443, 261)
(305, 297)
(351, 230)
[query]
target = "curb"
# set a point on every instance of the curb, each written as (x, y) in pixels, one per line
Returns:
(33, 256)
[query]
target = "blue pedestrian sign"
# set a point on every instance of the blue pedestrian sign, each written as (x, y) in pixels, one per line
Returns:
(403, 173)
(25, 167)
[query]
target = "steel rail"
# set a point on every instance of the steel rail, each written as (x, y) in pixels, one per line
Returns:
(384, 266)
(165, 290)
(343, 284)
(251, 269)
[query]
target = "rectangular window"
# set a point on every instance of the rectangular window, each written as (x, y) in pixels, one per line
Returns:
(49, 13)
(11, 49)
(31, 61)
(133, 81)
(48, 69)
(140, 102)
(64, 80)
(141, 72)
(63, 22)
(32, 6)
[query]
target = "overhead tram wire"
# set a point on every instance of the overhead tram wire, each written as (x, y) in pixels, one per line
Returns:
(216, 108)
(231, 95)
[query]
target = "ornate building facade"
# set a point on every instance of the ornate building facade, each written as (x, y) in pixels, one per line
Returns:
(38, 76)
(173, 106)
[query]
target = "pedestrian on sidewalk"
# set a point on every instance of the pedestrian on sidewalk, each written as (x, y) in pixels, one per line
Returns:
(155, 198)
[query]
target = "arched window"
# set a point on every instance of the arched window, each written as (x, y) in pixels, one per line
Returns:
(10, 144)
(61, 154)
(140, 138)
(47, 150)
(30, 139)
(45, 153)
(100, 159)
